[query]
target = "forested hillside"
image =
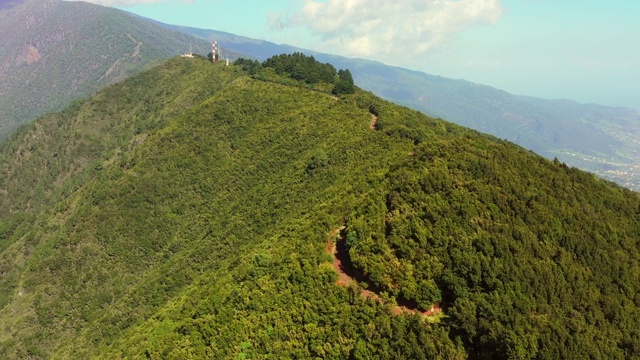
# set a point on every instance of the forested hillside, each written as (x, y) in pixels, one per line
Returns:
(189, 212)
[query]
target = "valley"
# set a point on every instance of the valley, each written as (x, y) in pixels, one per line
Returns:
(79, 61)
(606, 136)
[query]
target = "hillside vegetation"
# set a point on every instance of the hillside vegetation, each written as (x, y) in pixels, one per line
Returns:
(601, 139)
(185, 213)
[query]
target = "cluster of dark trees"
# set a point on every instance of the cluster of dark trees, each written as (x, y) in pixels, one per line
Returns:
(303, 68)
(524, 254)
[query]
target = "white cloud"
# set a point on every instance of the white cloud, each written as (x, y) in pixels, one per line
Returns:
(376, 28)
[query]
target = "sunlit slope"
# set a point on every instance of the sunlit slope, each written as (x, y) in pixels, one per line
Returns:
(197, 227)
(44, 166)
(600, 139)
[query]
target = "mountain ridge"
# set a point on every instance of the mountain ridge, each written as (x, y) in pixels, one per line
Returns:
(605, 142)
(550, 128)
(185, 220)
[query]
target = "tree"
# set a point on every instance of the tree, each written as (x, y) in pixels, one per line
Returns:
(344, 83)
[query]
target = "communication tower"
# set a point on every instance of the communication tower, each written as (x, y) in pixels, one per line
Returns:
(215, 51)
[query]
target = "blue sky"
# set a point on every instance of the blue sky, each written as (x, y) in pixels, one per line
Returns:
(586, 50)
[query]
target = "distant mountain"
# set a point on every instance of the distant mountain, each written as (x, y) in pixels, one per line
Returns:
(199, 211)
(600, 139)
(52, 52)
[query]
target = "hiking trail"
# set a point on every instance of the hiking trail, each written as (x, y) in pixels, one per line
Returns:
(337, 247)
(374, 121)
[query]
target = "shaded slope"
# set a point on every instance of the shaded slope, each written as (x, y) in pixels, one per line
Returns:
(43, 166)
(56, 51)
(199, 230)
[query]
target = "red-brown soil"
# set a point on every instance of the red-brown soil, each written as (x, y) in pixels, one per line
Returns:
(345, 279)
(374, 121)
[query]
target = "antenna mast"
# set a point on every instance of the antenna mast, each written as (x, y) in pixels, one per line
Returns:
(215, 51)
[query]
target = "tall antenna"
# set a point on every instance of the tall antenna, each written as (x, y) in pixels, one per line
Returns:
(214, 51)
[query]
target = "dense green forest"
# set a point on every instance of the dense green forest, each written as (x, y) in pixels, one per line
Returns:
(185, 213)
(303, 70)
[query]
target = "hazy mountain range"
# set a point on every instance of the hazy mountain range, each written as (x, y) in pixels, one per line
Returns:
(52, 52)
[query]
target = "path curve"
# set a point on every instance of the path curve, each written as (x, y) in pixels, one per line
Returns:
(136, 51)
(336, 237)
(374, 122)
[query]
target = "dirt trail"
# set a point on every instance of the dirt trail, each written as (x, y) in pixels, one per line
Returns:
(374, 122)
(136, 51)
(342, 266)
(343, 278)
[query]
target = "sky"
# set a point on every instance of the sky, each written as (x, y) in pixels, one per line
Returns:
(585, 50)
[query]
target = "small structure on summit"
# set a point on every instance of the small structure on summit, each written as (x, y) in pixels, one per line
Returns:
(215, 51)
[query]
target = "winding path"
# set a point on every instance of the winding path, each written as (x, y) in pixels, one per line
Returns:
(336, 246)
(136, 51)
(374, 122)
